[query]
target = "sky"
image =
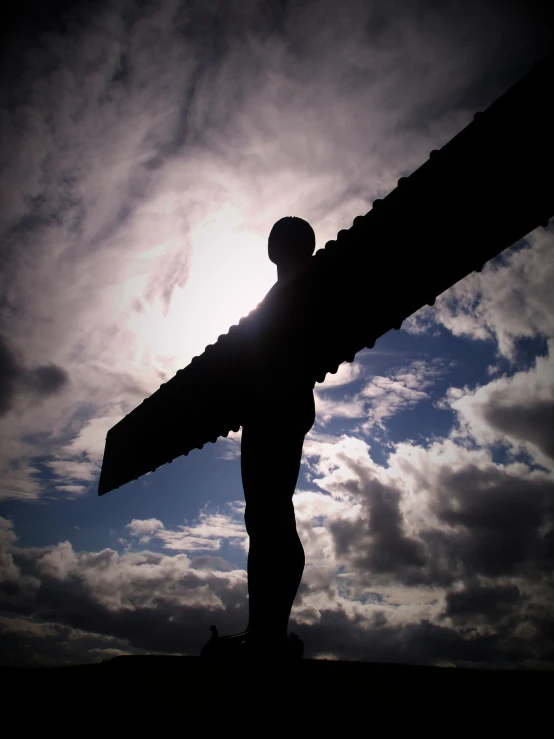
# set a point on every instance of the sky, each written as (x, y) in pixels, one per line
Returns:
(146, 149)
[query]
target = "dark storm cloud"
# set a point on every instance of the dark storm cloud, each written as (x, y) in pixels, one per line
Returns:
(9, 374)
(497, 522)
(489, 604)
(495, 527)
(47, 379)
(437, 517)
(419, 642)
(14, 378)
(479, 535)
(81, 605)
(24, 642)
(169, 611)
(515, 411)
(532, 422)
(376, 541)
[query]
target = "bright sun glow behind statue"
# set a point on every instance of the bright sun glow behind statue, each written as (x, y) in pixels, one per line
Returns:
(229, 274)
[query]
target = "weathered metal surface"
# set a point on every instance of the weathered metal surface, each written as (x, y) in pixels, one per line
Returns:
(483, 191)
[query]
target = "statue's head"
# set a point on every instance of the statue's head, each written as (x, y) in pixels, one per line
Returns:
(291, 244)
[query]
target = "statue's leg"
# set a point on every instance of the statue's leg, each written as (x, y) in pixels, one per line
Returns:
(270, 464)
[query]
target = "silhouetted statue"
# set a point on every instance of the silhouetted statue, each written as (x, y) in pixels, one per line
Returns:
(390, 263)
(279, 413)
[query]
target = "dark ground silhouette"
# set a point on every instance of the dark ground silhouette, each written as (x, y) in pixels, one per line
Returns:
(150, 693)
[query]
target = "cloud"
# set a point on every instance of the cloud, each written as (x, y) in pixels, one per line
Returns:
(141, 175)
(368, 533)
(207, 534)
(146, 526)
(382, 397)
(147, 601)
(144, 158)
(9, 372)
(230, 445)
(511, 299)
(403, 390)
(24, 641)
(8, 569)
(21, 481)
(207, 562)
(47, 380)
(15, 379)
(515, 411)
(77, 489)
(72, 470)
(487, 604)
(345, 374)
(442, 554)
(437, 521)
(498, 519)
(328, 408)
(376, 541)
(90, 439)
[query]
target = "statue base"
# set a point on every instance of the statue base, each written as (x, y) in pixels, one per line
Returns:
(243, 645)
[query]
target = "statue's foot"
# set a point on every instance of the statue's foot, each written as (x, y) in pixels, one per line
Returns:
(252, 646)
(222, 646)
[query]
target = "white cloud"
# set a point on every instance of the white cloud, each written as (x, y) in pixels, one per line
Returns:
(509, 300)
(328, 408)
(91, 439)
(382, 397)
(230, 445)
(59, 562)
(139, 527)
(76, 489)
(207, 534)
(133, 579)
(20, 481)
(515, 411)
(65, 469)
(345, 374)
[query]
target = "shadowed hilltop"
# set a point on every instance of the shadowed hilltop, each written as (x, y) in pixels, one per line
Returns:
(154, 692)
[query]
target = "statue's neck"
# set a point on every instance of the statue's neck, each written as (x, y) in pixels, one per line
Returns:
(286, 272)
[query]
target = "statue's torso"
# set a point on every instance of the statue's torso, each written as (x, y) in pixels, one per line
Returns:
(278, 386)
